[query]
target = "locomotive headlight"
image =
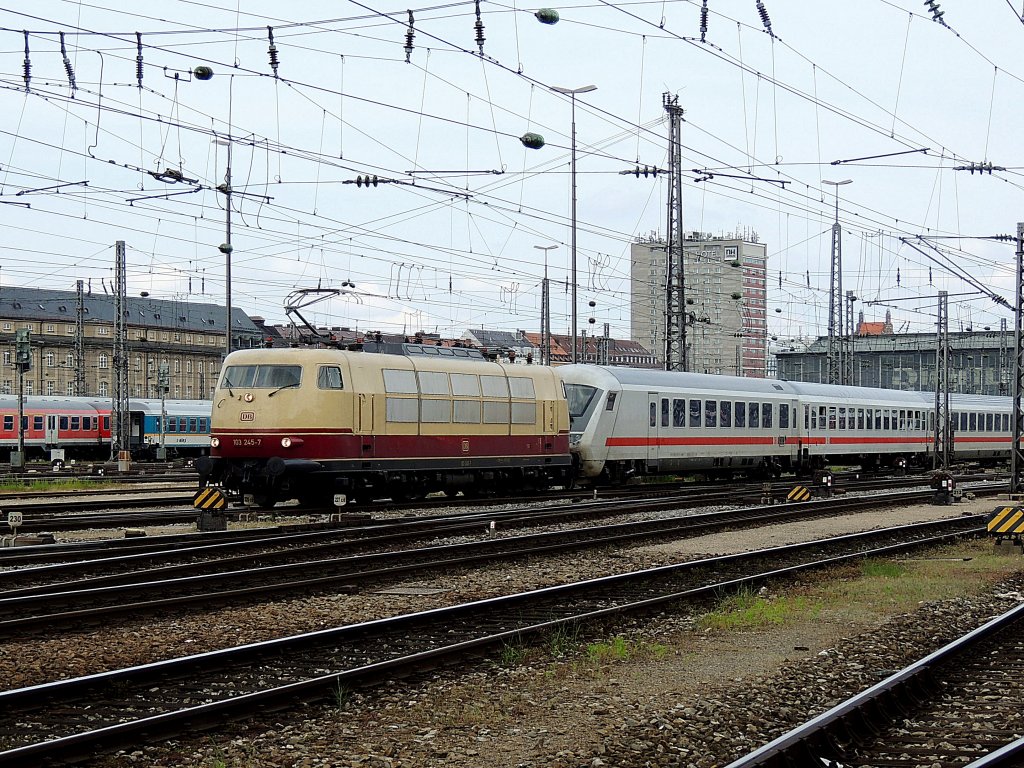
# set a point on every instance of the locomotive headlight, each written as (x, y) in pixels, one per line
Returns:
(575, 438)
(248, 397)
(215, 442)
(286, 442)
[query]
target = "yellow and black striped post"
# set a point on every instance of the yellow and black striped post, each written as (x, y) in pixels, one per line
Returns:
(209, 498)
(1007, 522)
(799, 493)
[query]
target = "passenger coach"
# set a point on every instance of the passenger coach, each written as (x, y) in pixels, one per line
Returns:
(311, 423)
(627, 422)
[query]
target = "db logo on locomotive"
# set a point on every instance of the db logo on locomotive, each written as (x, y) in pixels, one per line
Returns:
(247, 416)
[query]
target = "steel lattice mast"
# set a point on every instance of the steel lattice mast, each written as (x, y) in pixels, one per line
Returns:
(675, 284)
(119, 410)
(942, 443)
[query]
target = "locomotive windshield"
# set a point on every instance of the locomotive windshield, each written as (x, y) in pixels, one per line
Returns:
(579, 396)
(261, 376)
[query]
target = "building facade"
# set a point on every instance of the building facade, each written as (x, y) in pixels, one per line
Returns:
(726, 301)
(183, 338)
(980, 362)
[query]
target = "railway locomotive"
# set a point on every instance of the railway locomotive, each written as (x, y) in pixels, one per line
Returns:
(629, 422)
(80, 426)
(313, 423)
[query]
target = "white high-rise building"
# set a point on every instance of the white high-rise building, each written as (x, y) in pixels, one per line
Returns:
(726, 301)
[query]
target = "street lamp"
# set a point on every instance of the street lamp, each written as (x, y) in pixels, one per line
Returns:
(545, 309)
(571, 92)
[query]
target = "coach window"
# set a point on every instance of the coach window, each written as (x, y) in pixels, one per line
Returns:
(494, 386)
(37, 422)
(400, 382)
(807, 418)
(1006, 422)
(972, 422)
(664, 411)
(710, 413)
(822, 419)
(842, 418)
(860, 418)
(172, 425)
(678, 412)
(832, 417)
(522, 388)
(329, 377)
(814, 418)
(63, 422)
(8, 423)
(75, 423)
(766, 415)
(725, 413)
(783, 417)
(741, 415)
(695, 413)
(988, 422)
(654, 415)
(433, 383)
(468, 384)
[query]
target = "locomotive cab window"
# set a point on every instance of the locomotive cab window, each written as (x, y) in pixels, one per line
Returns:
(578, 396)
(329, 377)
(261, 376)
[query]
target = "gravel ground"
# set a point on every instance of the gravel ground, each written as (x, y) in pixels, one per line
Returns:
(683, 697)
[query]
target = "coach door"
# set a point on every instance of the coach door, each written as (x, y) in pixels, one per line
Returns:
(51, 430)
(652, 430)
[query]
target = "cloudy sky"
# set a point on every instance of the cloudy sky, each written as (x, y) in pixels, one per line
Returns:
(874, 91)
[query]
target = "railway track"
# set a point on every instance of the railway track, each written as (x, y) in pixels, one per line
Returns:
(958, 706)
(89, 510)
(312, 564)
(70, 720)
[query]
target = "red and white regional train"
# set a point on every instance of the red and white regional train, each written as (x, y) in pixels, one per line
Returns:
(312, 423)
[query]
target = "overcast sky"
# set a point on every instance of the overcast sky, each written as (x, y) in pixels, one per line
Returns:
(445, 240)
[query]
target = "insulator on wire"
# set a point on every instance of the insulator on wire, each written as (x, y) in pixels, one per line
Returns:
(410, 35)
(67, 63)
(27, 70)
(138, 58)
(272, 50)
(703, 20)
(897, 277)
(764, 18)
(479, 27)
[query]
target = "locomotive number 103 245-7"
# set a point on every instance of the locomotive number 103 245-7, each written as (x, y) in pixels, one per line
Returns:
(246, 442)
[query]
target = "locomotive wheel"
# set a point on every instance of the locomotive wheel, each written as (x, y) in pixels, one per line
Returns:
(264, 500)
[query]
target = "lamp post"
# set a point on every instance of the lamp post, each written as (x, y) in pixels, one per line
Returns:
(545, 309)
(571, 92)
(837, 373)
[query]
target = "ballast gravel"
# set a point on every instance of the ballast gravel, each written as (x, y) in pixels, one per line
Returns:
(712, 699)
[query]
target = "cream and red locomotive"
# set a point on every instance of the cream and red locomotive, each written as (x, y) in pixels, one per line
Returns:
(313, 423)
